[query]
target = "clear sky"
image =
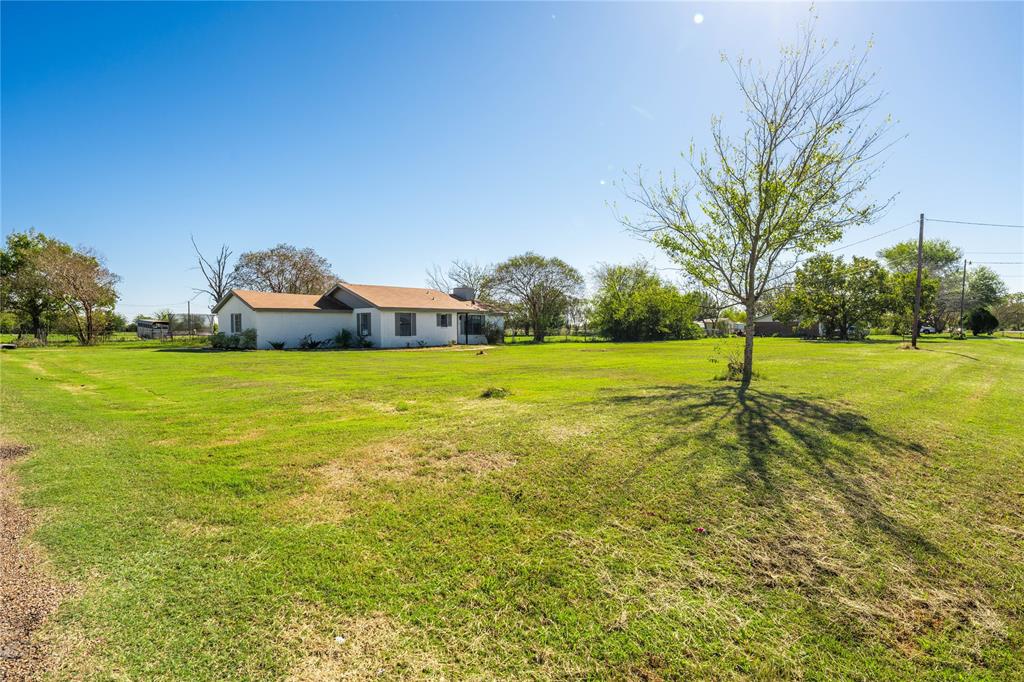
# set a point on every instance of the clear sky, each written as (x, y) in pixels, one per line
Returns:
(393, 136)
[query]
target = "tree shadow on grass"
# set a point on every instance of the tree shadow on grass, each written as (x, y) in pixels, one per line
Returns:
(774, 438)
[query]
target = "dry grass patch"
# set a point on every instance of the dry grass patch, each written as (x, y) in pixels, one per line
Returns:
(372, 646)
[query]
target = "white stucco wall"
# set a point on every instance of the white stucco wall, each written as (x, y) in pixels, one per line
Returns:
(290, 326)
(427, 330)
(234, 305)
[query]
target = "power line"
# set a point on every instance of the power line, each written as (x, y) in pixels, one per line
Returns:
(968, 222)
(998, 262)
(867, 239)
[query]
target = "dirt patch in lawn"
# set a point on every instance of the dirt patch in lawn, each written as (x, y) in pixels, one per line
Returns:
(28, 593)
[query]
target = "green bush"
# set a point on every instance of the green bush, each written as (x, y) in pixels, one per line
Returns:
(633, 303)
(309, 343)
(244, 341)
(981, 321)
(691, 330)
(343, 339)
(277, 345)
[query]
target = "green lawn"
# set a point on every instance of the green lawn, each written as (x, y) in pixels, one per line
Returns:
(227, 515)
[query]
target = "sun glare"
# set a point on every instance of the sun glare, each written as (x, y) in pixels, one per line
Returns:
(698, 18)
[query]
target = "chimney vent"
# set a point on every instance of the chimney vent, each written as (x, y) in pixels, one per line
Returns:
(464, 293)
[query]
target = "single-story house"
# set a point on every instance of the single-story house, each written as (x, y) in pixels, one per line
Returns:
(386, 317)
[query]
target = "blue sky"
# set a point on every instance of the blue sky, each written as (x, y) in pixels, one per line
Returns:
(393, 136)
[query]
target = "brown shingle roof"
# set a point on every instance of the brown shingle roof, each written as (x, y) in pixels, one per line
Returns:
(409, 297)
(265, 300)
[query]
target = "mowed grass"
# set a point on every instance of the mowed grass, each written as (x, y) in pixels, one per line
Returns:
(228, 515)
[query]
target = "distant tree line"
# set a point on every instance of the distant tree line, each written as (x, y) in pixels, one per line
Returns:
(849, 297)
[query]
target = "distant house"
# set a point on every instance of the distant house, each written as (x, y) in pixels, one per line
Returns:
(386, 317)
(152, 329)
(766, 325)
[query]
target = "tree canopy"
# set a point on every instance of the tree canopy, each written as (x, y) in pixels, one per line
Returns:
(542, 289)
(284, 269)
(633, 303)
(840, 295)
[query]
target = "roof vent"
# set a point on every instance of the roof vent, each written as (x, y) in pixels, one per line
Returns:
(464, 293)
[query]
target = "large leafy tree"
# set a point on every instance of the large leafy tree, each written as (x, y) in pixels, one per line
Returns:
(837, 294)
(541, 289)
(284, 269)
(985, 288)
(24, 289)
(633, 303)
(941, 261)
(83, 285)
(793, 181)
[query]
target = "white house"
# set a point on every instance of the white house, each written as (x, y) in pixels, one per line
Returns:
(387, 317)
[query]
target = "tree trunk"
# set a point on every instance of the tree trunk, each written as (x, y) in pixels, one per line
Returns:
(748, 345)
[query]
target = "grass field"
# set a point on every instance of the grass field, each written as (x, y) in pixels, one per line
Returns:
(228, 515)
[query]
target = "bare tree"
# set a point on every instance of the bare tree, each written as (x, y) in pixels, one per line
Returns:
(794, 182)
(284, 269)
(461, 273)
(219, 279)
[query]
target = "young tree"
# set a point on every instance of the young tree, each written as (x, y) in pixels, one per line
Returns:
(219, 280)
(633, 303)
(542, 288)
(79, 280)
(463, 274)
(795, 180)
(284, 269)
(24, 289)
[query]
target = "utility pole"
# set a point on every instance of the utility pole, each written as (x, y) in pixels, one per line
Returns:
(963, 290)
(916, 331)
(188, 317)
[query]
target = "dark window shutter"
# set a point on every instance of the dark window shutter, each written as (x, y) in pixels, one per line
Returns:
(412, 323)
(398, 324)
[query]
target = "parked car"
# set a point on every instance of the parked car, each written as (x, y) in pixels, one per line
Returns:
(927, 329)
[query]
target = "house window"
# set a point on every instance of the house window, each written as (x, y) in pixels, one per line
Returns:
(444, 319)
(405, 324)
(236, 323)
(472, 325)
(363, 324)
